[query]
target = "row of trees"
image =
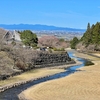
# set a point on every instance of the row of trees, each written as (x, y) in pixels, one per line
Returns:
(30, 39)
(92, 35)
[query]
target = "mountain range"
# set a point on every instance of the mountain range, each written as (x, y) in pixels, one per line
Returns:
(37, 27)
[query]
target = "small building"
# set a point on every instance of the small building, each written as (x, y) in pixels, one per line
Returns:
(11, 36)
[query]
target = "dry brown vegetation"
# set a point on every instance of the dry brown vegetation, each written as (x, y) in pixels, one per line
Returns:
(52, 41)
(6, 64)
(91, 48)
(2, 33)
(22, 59)
(15, 59)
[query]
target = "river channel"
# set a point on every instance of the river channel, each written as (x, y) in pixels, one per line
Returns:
(12, 94)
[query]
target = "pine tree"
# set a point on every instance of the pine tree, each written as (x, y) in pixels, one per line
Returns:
(87, 37)
(29, 38)
(92, 36)
(96, 34)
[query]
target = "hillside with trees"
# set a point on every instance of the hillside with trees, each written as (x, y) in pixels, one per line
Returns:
(90, 41)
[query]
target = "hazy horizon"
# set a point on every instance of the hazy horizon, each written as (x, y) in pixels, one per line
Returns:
(42, 25)
(59, 13)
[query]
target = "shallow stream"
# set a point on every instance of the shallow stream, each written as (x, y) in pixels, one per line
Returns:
(12, 94)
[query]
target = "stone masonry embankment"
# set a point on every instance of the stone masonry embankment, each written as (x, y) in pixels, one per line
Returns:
(52, 59)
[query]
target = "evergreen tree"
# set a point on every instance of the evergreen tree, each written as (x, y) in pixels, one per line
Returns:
(96, 34)
(92, 36)
(87, 37)
(29, 38)
(74, 43)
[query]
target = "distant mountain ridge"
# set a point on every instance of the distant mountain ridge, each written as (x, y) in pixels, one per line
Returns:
(37, 27)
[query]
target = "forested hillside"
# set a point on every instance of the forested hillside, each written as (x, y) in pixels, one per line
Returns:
(90, 41)
(92, 35)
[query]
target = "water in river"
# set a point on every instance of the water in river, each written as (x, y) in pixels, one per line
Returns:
(11, 94)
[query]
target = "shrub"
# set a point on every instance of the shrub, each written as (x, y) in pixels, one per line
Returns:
(6, 48)
(50, 50)
(60, 49)
(88, 63)
(20, 65)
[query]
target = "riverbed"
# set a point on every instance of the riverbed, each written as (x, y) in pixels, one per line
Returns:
(12, 94)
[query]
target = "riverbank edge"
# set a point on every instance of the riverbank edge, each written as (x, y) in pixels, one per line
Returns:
(8, 86)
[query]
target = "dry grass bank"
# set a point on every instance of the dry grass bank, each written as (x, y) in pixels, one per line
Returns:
(82, 85)
(30, 75)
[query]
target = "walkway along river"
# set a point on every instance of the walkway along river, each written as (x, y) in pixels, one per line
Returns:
(12, 94)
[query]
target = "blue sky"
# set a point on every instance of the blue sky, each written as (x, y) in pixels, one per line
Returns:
(63, 13)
